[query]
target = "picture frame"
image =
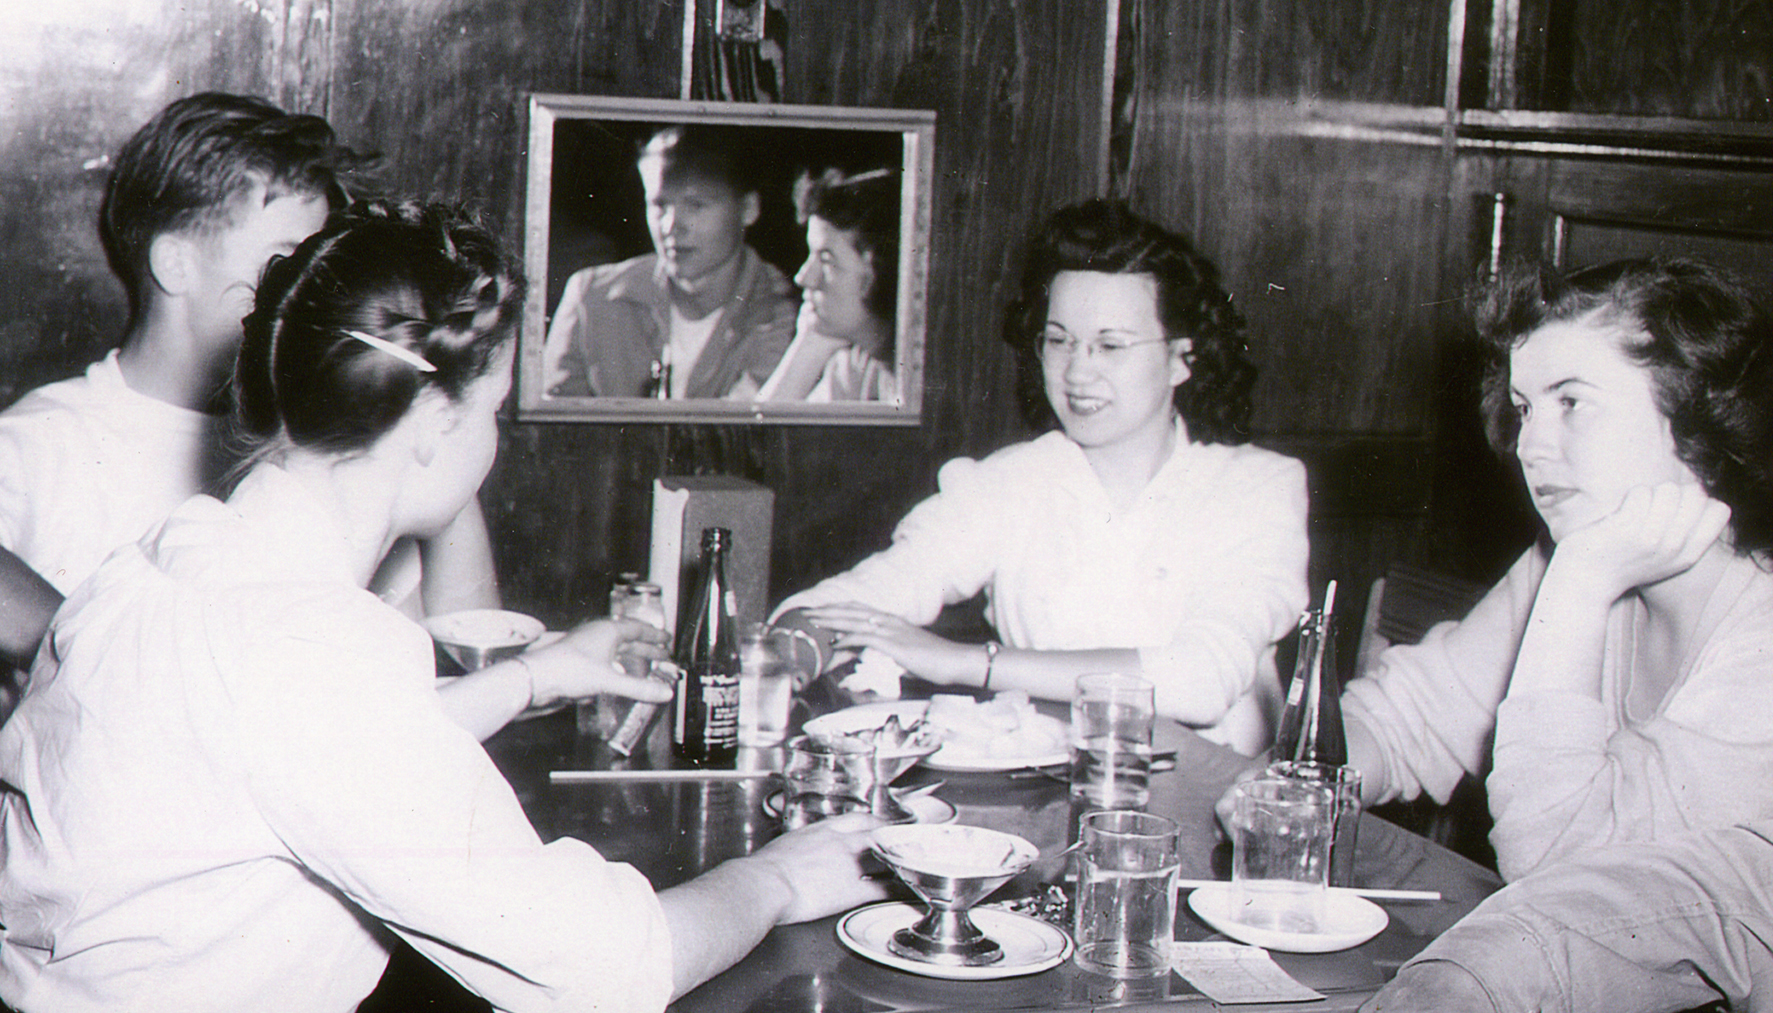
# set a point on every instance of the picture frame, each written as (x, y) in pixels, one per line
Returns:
(586, 220)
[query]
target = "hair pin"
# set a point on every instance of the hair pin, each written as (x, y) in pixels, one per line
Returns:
(406, 355)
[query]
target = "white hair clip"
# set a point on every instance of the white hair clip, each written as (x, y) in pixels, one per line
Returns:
(406, 355)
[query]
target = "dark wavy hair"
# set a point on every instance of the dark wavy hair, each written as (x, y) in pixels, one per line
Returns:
(866, 206)
(426, 277)
(184, 168)
(1107, 237)
(1705, 340)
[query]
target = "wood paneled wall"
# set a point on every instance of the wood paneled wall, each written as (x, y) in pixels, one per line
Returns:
(439, 88)
(1300, 144)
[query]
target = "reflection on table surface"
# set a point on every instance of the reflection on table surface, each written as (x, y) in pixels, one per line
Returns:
(676, 830)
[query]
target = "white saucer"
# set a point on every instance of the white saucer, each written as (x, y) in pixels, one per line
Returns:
(923, 808)
(1348, 921)
(1029, 944)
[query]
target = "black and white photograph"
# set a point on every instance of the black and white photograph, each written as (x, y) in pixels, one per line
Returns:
(886, 506)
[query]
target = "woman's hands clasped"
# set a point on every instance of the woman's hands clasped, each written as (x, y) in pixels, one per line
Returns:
(587, 661)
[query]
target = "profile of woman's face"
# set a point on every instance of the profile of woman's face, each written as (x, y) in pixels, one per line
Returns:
(1109, 371)
(835, 281)
(1590, 429)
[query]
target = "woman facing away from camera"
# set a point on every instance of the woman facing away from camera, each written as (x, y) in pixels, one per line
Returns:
(1624, 666)
(1143, 535)
(231, 784)
(844, 336)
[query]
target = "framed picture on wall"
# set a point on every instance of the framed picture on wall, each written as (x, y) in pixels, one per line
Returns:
(724, 262)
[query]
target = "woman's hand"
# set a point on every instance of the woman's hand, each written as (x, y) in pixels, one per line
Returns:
(916, 649)
(1657, 532)
(586, 662)
(820, 867)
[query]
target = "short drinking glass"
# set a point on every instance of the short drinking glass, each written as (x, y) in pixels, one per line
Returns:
(1280, 838)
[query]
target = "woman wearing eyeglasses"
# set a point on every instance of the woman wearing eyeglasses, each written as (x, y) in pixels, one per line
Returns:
(1143, 536)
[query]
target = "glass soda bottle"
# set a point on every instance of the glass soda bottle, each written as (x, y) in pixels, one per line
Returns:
(706, 729)
(1311, 726)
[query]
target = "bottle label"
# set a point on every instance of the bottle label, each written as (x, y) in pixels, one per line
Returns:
(720, 695)
(680, 708)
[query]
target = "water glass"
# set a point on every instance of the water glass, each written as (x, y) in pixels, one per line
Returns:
(1345, 782)
(1124, 917)
(1280, 839)
(1111, 717)
(825, 777)
(769, 668)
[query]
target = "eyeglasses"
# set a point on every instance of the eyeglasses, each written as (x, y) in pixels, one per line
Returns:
(1059, 346)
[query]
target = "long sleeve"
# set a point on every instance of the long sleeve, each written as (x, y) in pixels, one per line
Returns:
(1429, 708)
(1231, 614)
(1201, 575)
(944, 551)
(1573, 773)
(1631, 929)
(433, 842)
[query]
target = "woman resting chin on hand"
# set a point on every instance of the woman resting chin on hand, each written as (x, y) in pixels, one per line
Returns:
(1621, 666)
(1142, 535)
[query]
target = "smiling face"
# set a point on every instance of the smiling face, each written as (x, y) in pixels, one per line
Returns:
(1123, 388)
(697, 222)
(836, 277)
(1590, 429)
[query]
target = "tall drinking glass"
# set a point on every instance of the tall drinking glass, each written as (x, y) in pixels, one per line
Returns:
(1111, 718)
(769, 668)
(1124, 917)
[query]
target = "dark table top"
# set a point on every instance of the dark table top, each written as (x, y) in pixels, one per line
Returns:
(674, 831)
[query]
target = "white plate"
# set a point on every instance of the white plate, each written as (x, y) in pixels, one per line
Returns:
(951, 756)
(1348, 921)
(1029, 944)
(923, 808)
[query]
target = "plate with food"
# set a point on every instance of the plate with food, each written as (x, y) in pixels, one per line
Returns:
(1002, 733)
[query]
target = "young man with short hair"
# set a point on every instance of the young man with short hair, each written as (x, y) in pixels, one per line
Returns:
(702, 316)
(198, 202)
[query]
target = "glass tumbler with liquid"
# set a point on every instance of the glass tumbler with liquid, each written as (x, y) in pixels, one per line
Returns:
(1111, 723)
(768, 672)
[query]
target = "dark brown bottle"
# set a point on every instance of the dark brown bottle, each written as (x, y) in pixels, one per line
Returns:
(706, 730)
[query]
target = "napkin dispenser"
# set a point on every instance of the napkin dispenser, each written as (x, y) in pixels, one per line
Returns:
(685, 504)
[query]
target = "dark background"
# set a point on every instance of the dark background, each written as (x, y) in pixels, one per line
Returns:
(1337, 158)
(597, 211)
